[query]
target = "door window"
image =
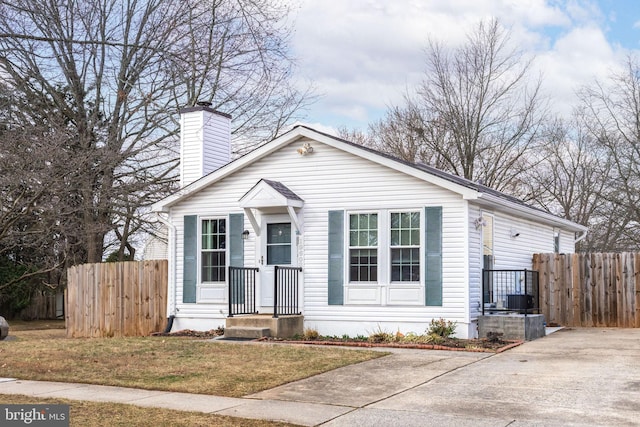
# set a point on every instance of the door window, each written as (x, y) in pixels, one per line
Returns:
(279, 244)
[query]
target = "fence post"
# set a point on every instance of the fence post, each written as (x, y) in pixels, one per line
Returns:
(275, 291)
(526, 295)
(231, 282)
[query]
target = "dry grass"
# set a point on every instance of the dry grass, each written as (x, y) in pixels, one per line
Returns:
(166, 363)
(93, 414)
(22, 325)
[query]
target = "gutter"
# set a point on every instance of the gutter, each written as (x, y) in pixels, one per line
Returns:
(580, 237)
(532, 213)
(171, 273)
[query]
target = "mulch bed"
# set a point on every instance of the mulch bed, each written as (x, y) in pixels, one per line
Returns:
(471, 345)
(213, 333)
(451, 344)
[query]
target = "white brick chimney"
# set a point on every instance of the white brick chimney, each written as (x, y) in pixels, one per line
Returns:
(205, 141)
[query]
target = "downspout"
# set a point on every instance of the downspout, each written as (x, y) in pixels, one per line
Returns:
(171, 273)
(167, 328)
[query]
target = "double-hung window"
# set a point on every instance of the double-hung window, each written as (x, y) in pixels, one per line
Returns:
(363, 247)
(405, 246)
(213, 250)
(390, 256)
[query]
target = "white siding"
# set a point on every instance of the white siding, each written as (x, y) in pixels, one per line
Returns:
(510, 251)
(567, 242)
(205, 144)
(155, 248)
(515, 252)
(332, 179)
(216, 142)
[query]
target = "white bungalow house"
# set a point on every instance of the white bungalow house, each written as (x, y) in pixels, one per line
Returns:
(358, 240)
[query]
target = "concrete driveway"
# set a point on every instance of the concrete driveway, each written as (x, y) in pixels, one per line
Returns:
(574, 377)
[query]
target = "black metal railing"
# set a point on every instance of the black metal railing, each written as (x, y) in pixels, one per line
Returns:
(510, 291)
(286, 290)
(242, 290)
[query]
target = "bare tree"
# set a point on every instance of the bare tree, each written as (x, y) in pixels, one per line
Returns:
(110, 77)
(31, 245)
(572, 179)
(612, 108)
(474, 114)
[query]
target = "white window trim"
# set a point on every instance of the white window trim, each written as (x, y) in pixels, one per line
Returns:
(384, 292)
(212, 292)
(421, 247)
(557, 240)
(485, 214)
(349, 247)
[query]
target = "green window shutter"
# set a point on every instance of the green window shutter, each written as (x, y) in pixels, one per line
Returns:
(236, 246)
(236, 258)
(190, 260)
(433, 255)
(336, 258)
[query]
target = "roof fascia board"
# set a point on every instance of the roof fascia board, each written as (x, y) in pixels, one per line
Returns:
(530, 213)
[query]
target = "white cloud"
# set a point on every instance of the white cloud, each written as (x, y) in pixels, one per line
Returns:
(577, 58)
(364, 54)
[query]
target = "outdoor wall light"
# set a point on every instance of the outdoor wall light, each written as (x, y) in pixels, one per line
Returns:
(245, 234)
(480, 222)
(305, 149)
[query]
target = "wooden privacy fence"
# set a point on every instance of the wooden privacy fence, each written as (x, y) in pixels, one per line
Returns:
(116, 299)
(590, 289)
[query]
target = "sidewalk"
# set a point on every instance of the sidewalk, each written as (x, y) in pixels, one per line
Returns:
(308, 414)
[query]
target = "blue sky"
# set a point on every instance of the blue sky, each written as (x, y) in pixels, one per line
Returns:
(363, 55)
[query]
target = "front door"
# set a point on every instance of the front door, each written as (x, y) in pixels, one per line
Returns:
(278, 248)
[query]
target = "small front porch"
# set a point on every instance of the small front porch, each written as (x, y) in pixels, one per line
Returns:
(244, 321)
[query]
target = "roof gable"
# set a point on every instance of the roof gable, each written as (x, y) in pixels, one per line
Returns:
(467, 189)
(267, 193)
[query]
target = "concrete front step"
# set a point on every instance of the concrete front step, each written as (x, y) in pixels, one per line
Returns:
(280, 327)
(246, 332)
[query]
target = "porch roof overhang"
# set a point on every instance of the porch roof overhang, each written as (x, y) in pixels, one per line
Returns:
(271, 196)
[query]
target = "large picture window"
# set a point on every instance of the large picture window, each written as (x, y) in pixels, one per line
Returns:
(213, 250)
(405, 246)
(363, 247)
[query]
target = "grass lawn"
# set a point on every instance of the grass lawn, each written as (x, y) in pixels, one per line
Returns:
(164, 363)
(41, 351)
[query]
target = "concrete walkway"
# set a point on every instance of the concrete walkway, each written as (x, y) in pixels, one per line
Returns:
(575, 377)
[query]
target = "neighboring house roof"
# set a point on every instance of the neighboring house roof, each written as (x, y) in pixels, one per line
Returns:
(469, 190)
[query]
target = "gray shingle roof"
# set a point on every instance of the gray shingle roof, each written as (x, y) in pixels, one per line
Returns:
(282, 189)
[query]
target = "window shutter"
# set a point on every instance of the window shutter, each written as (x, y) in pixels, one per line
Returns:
(236, 258)
(336, 258)
(236, 246)
(190, 260)
(433, 255)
